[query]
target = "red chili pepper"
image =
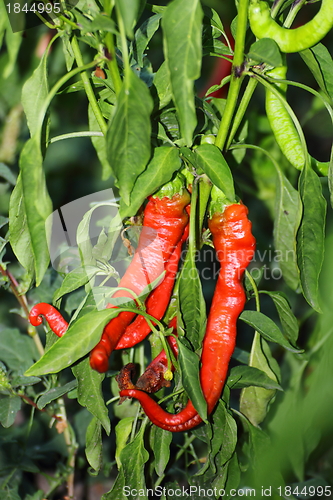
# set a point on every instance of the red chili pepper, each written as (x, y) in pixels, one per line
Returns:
(156, 303)
(234, 244)
(165, 220)
(55, 320)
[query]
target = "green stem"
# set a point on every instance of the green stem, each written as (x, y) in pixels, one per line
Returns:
(236, 77)
(112, 59)
(88, 88)
(205, 187)
(57, 86)
(124, 48)
(295, 8)
(74, 135)
(14, 286)
(112, 63)
(69, 438)
(255, 289)
(250, 88)
(276, 7)
(69, 22)
(187, 443)
(192, 233)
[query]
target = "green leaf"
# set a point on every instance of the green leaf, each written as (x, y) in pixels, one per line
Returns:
(9, 406)
(143, 36)
(259, 441)
(19, 235)
(90, 392)
(191, 302)
(13, 43)
(21, 381)
(128, 11)
(320, 63)
(75, 279)
(266, 51)
(182, 31)
(216, 47)
(39, 495)
(159, 171)
(133, 458)
(34, 93)
(79, 339)
(123, 430)
(117, 490)
(267, 328)
(288, 213)
(67, 50)
(55, 393)
(311, 235)
(189, 366)
(246, 376)
(128, 138)
(37, 203)
(94, 445)
(163, 85)
(160, 441)
(224, 437)
(287, 317)
(102, 22)
(216, 168)
(7, 174)
(233, 476)
(16, 350)
(87, 251)
(99, 144)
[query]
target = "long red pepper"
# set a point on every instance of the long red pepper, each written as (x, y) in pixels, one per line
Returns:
(165, 221)
(235, 245)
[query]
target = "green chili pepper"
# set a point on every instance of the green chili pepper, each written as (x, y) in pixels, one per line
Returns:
(290, 40)
(281, 123)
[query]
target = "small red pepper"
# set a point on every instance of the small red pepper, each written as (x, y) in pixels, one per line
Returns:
(235, 245)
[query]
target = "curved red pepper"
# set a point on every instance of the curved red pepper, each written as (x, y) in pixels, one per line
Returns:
(235, 245)
(55, 320)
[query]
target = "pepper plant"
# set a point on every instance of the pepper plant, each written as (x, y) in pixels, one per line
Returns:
(114, 111)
